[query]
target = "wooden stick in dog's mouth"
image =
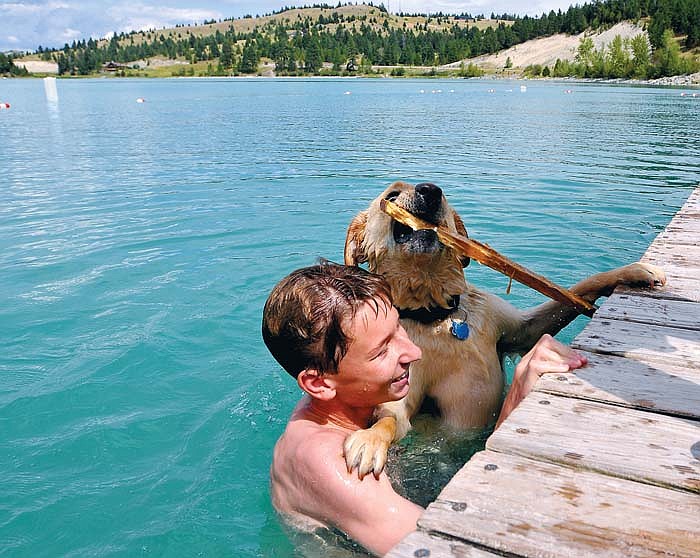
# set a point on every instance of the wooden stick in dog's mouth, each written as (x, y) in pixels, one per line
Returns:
(486, 255)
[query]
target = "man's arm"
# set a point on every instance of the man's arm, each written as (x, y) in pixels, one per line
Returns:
(548, 355)
(369, 510)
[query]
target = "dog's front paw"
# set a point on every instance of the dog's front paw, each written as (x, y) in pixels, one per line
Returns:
(366, 451)
(642, 275)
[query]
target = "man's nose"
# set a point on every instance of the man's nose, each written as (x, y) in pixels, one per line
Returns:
(411, 350)
(418, 354)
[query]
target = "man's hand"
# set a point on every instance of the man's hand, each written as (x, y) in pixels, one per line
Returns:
(547, 356)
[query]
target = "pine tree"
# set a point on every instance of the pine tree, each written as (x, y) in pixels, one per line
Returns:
(312, 59)
(226, 58)
(249, 59)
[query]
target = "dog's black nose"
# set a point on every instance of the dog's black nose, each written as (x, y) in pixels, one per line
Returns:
(428, 189)
(430, 195)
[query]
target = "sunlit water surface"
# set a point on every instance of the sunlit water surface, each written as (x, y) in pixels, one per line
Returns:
(138, 242)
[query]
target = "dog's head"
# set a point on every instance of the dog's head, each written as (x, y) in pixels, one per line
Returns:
(421, 270)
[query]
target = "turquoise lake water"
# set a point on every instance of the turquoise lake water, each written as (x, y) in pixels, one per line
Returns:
(138, 242)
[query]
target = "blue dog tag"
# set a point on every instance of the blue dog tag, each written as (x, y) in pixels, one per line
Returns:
(459, 329)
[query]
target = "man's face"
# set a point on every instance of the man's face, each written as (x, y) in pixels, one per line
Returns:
(375, 367)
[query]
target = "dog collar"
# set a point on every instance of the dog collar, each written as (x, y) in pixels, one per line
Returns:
(430, 315)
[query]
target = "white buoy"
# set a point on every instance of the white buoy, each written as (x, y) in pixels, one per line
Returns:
(4, 105)
(523, 88)
(50, 89)
(140, 100)
(348, 93)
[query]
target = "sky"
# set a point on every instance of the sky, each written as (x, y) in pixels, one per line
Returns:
(26, 25)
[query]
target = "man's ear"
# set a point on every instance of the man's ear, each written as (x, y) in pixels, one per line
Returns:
(316, 384)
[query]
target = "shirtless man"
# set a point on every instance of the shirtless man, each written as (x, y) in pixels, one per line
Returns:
(334, 329)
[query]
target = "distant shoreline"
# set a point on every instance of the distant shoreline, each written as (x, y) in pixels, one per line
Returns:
(691, 81)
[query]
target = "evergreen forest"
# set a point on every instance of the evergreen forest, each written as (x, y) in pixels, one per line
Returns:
(335, 43)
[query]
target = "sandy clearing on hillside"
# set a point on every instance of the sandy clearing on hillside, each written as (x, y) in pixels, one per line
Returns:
(38, 66)
(545, 51)
(156, 62)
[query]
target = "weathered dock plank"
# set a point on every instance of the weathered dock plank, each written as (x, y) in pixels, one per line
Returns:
(691, 205)
(676, 251)
(659, 387)
(693, 201)
(678, 288)
(679, 256)
(679, 234)
(604, 438)
(679, 261)
(422, 544)
(523, 507)
(635, 307)
(684, 224)
(648, 344)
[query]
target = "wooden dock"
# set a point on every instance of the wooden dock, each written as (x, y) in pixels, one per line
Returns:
(601, 462)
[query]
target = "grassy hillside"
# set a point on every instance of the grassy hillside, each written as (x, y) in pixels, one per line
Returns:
(365, 39)
(349, 16)
(337, 31)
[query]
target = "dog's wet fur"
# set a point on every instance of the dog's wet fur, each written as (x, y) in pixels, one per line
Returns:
(464, 377)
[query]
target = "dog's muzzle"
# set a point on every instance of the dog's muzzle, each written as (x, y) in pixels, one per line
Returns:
(425, 203)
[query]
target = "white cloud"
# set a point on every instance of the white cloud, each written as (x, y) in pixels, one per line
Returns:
(15, 9)
(54, 22)
(71, 34)
(10, 9)
(139, 16)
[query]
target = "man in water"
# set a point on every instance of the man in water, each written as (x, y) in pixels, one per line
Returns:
(335, 330)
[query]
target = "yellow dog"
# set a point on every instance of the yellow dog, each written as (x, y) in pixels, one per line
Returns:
(463, 332)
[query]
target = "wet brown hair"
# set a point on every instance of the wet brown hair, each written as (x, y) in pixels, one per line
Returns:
(304, 315)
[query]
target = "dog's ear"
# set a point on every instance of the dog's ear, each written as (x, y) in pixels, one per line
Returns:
(354, 239)
(461, 229)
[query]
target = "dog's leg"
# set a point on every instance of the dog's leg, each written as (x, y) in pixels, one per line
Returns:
(366, 450)
(520, 335)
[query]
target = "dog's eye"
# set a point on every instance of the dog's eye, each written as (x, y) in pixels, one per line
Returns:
(391, 196)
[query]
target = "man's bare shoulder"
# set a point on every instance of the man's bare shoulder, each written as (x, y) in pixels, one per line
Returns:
(307, 468)
(311, 484)
(311, 447)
